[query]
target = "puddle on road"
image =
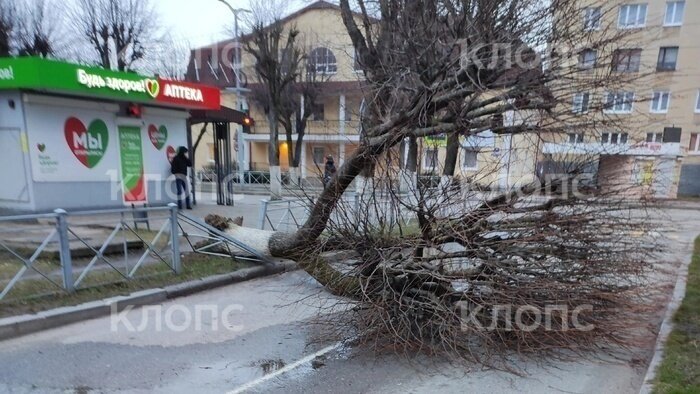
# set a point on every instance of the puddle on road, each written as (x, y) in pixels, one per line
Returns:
(242, 374)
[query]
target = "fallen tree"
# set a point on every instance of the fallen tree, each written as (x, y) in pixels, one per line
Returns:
(551, 263)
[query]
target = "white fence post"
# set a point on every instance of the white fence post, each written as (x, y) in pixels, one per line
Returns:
(175, 238)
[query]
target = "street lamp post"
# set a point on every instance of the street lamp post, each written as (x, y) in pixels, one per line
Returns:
(239, 91)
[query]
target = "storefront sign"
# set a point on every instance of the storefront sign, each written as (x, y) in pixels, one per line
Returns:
(183, 93)
(61, 77)
(95, 81)
(132, 169)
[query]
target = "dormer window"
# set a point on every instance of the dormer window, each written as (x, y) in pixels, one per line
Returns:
(322, 60)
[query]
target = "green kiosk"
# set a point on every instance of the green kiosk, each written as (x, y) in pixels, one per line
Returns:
(77, 137)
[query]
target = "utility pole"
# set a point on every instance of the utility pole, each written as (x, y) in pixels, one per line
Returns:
(242, 105)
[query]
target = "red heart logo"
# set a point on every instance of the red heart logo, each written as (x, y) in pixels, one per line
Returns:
(87, 144)
(170, 152)
(158, 136)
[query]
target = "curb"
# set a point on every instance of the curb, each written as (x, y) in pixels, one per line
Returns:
(667, 324)
(17, 326)
(685, 205)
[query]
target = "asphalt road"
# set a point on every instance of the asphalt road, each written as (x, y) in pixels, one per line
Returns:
(266, 344)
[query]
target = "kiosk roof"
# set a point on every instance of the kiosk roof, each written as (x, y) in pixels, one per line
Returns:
(38, 74)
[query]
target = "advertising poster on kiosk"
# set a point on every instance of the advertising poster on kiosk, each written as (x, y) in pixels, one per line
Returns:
(132, 173)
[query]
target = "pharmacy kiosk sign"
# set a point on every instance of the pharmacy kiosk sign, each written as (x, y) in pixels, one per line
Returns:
(60, 77)
(132, 168)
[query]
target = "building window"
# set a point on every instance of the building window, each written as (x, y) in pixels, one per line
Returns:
(470, 159)
(587, 59)
(430, 159)
(619, 102)
(674, 13)
(632, 16)
(655, 137)
(575, 138)
(694, 143)
(591, 18)
(581, 103)
(318, 112)
(668, 57)
(322, 60)
(627, 60)
(319, 154)
(660, 102)
(697, 103)
(614, 138)
(356, 66)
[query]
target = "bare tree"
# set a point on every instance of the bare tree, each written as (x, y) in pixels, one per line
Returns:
(119, 31)
(298, 104)
(277, 59)
(450, 270)
(37, 32)
(8, 24)
(168, 58)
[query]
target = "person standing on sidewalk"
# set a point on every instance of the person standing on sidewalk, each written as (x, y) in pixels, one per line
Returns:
(329, 170)
(179, 167)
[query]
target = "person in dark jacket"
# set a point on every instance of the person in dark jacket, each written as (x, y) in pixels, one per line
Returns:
(329, 170)
(179, 167)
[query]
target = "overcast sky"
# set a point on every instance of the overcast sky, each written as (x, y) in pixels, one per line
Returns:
(201, 22)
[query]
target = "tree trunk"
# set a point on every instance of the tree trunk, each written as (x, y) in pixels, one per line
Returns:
(452, 154)
(295, 153)
(448, 171)
(291, 154)
(295, 245)
(301, 132)
(274, 156)
(286, 244)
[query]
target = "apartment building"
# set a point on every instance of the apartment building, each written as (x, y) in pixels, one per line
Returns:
(660, 144)
(333, 128)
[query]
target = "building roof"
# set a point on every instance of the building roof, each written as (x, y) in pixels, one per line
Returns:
(316, 5)
(221, 73)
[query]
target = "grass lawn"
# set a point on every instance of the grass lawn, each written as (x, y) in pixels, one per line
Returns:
(680, 369)
(34, 295)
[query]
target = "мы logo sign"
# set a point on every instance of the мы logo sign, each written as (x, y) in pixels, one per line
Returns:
(88, 144)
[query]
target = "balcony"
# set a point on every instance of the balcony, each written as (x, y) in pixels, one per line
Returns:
(314, 127)
(638, 149)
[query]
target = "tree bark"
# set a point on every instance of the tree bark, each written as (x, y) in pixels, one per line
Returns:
(448, 172)
(274, 156)
(452, 155)
(286, 244)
